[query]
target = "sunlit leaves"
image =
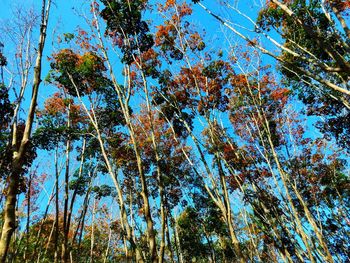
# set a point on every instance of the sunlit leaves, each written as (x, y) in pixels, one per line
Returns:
(54, 118)
(78, 74)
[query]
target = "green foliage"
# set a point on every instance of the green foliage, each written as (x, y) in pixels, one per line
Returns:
(3, 60)
(324, 186)
(78, 74)
(49, 137)
(316, 39)
(6, 108)
(109, 114)
(103, 191)
(81, 181)
(191, 236)
(217, 148)
(68, 37)
(126, 27)
(6, 111)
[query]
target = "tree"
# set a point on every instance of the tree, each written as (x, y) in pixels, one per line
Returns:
(20, 142)
(169, 145)
(319, 76)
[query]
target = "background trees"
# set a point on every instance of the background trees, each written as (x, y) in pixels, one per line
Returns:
(160, 147)
(21, 149)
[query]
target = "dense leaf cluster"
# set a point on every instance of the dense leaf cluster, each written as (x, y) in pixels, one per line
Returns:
(6, 109)
(126, 27)
(78, 74)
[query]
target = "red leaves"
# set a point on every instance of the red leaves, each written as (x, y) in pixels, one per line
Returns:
(58, 105)
(66, 58)
(122, 153)
(341, 5)
(280, 94)
(316, 157)
(192, 78)
(271, 5)
(95, 6)
(235, 180)
(55, 105)
(149, 63)
(83, 40)
(239, 80)
(182, 9)
(87, 71)
(163, 33)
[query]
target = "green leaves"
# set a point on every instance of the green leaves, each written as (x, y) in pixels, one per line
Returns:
(82, 179)
(48, 138)
(126, 27)
(6, 108)
(78, 74)
(322, 54)
(103, 191)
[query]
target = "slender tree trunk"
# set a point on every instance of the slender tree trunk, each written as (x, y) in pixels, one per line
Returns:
(82, 214)
(57, 208)
(124, 103)
(163, 228)
(178, 244)
(151, 235)
(92, 243)
(28, 215)
(70, 210)
(83, 219)
(48, 241)
(223, 206)
(108, 245)
(170, 247)
(144, 194)
(65, 249)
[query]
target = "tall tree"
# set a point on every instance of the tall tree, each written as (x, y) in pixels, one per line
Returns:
(21, 143)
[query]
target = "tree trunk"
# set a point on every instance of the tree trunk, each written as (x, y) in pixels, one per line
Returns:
(65, 249)
(9, 215)
(57, 208)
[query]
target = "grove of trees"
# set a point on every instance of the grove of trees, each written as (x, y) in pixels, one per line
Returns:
(175, 131)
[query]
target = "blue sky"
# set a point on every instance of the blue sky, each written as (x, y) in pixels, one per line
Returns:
(64, 19)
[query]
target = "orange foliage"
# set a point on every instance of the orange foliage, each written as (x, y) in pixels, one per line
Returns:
(163, 33)
(184, 10)
(55, 105)
(280, 94)
(239, 80)
(169, 3)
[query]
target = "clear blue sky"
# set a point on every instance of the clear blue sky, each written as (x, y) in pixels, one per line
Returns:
(64, 18)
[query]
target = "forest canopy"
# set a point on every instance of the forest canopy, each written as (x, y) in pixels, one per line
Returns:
(175, 131)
